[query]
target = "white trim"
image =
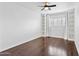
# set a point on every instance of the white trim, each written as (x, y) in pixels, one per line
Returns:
(33, 38)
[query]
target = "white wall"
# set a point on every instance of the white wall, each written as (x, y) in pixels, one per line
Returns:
(18, 25)
(77, 25)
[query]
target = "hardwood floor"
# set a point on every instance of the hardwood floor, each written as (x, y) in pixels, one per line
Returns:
(71, 48)
(43, 46)
(55, 47)
(59, 47)
(34, 47)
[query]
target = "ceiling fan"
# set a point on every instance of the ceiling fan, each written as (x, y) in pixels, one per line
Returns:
(47, 6)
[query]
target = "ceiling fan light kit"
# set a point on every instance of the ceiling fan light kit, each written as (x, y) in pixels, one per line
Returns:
(47, 6)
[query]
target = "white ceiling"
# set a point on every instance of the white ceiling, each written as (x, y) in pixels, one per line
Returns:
(35, 5)
(30, 5)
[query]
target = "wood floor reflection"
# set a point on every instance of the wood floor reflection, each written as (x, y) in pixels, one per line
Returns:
(43, 46)
(55, 47)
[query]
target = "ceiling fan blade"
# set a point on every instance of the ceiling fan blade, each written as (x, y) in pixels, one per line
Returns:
(48, 6)
(51, 6)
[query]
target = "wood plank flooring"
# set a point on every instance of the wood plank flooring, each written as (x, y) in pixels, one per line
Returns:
(71, 48)
(43, 46)
(31, 48)
(55, 47)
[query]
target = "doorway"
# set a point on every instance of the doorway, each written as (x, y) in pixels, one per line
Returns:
(57, 29)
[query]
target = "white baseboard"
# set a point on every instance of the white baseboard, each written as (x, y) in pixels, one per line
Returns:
(34, 37)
